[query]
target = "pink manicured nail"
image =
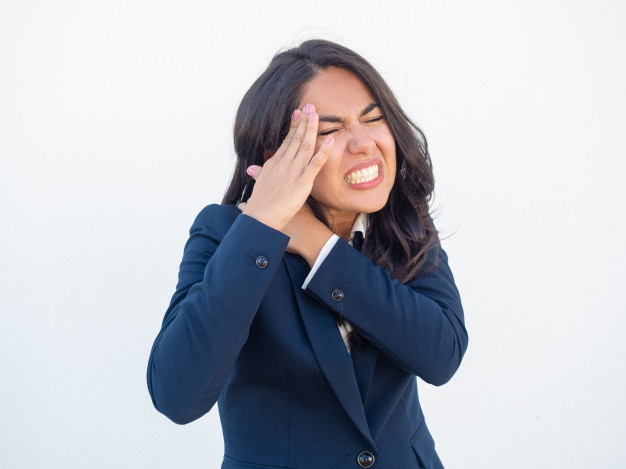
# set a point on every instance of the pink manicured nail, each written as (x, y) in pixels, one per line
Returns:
(307, 108)
(311, 116)
(295, 115)
(329, 139)
(250, 171)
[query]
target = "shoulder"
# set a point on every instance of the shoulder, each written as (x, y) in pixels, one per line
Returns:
(215, 220)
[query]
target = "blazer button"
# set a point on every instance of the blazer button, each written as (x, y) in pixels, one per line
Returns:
(261, 262)
(338, 296)
(366, 459)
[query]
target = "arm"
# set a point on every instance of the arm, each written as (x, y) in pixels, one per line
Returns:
(220, 283)
(419, 325)
(219, 291)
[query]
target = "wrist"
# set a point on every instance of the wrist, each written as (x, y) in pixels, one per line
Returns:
(310, 251)
(263, 217)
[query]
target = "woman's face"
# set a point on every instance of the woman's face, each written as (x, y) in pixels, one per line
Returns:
(361, 167)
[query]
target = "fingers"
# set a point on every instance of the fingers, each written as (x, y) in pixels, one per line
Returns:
(299, 145)
(317, 161)
(300, 140)
(302, 143)
(285, 180)
(306, 146)
(254, 171)
(291, 135)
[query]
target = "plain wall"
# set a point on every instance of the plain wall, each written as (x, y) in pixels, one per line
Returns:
(116, 129)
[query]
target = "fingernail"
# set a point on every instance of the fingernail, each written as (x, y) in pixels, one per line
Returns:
(311, 116)
(250, 171)
(329, 139)
(295, 115)
(307, 108)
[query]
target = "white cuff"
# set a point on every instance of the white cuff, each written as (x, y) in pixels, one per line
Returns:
(320, 258)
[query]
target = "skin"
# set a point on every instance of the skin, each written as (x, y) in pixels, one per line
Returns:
(338, 129)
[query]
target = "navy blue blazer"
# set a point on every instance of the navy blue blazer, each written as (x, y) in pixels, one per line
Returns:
(241, 331)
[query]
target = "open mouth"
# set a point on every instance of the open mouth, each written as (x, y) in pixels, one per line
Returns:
(362, 175)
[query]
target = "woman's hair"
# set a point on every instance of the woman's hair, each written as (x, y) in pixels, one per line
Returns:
(399, 235)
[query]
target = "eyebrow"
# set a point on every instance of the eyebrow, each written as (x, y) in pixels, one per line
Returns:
(327, 118)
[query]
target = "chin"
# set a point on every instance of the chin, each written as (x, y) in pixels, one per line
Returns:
(370, 207)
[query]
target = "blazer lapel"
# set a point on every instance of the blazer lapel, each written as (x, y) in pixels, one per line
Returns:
(364, 361)
(328, 346)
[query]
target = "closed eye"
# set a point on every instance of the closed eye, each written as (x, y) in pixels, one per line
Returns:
(323, 133)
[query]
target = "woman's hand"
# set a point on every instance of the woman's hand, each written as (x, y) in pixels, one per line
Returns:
(307, 235)
(283, 186)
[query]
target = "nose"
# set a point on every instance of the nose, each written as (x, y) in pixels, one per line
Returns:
(361, 142)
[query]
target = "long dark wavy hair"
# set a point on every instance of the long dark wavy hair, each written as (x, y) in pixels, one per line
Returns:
(402, 232)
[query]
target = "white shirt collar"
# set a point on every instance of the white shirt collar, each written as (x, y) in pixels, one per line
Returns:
(360, 224)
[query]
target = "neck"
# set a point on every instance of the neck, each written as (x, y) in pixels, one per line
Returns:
(341, 225)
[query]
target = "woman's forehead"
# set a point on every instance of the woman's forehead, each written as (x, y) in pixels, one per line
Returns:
(336, 91)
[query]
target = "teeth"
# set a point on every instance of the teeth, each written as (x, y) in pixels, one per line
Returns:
(362, 175)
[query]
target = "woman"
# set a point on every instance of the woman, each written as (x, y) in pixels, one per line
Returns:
(309, 346)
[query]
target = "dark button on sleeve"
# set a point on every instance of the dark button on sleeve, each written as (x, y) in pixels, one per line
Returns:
(337, 295)
(365, 459)
(261, 262)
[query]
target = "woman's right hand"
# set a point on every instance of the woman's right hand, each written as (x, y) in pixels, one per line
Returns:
(283, 186)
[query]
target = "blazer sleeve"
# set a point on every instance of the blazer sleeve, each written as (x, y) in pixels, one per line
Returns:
(228, 263)
(419, 325)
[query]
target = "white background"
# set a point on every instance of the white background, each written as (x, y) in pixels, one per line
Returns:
(115, 130)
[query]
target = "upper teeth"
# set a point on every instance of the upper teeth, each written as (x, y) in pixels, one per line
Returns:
(362, 175)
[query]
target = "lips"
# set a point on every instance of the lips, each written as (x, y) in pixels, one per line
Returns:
(362, 175)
